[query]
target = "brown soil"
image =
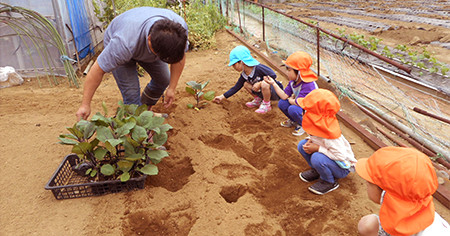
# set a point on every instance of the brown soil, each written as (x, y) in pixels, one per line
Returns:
(415, 34)
(230, 171)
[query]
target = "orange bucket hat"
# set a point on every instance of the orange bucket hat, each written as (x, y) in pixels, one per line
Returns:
(302, 62)
(320, 120)
(409, 179)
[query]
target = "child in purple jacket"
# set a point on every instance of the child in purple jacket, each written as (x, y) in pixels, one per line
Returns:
(301, 82)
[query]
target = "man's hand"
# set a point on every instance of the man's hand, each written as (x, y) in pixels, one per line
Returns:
(169, 97)
(83, 112)
(218, 99)
(310, 147)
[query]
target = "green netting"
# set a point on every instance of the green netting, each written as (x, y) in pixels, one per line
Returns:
(362, 77)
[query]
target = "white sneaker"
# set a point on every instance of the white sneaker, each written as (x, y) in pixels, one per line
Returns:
(264, 108)
(287, 123)
(298, 131)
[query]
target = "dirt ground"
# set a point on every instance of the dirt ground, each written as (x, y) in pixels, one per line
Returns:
(416, 24)
(230, 171)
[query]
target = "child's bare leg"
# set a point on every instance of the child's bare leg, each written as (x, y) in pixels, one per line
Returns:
(248, 87)
(265, 89)
(368, 225)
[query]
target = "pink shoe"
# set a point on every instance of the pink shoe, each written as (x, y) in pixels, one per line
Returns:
(264, 108)
(254, 103)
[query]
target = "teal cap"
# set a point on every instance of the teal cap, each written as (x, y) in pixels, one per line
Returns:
(241, 53)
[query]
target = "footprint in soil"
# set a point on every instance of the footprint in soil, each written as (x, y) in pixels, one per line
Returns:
(174, 172)
(178, 221)
(257, 154)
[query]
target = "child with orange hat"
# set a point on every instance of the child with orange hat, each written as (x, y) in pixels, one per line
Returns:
(252, 74)
(403, 180)
(301, 82)
(326, 150)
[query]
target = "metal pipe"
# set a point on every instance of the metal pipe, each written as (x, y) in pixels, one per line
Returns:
(263, 25)
(381, 57)
(423, 112)
(318, 49)
(88, 67)
(239, 16)
(390, 137)
(410, 140)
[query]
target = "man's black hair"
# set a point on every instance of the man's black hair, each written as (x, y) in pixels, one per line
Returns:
(168, 39)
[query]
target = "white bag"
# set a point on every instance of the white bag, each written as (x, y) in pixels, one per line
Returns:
(9, 77)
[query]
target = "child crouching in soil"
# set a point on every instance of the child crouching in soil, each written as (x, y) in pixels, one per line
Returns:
(326, 151)
(403, 180)
(301, 82)
(252, 74)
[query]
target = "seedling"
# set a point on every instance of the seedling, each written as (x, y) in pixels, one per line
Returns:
(119, 147)
(197, 89)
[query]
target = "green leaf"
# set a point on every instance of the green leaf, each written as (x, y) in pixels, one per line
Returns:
(93, 173)
(194, 84)
(141, 109)
(132, 142)
(89, 130)
(160, 139)
(67, 141)
(88, 171)
(199, 94)
(156, 122)
(165, 127)
(190, 90)
(149, 169)
(104, 133)
(99, 119)
(157, 155)
(125, 177)
(111, 148)
(204, 85)
(71, 136)
(124, 166)
(125, 129)
(94, 143)
(100, 153)
(107, 169)
(82, 148)
(139, 134)
(145, 119)
(75, 131)
(130, 108)
(120, 112)
(209, 95)
(114, 142)
(190, 106)
(105, 109)
(135, 157)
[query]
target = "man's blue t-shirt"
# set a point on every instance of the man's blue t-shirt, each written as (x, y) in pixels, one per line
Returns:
(126, 36)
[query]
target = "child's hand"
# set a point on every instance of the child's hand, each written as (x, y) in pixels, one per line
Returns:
(291, 101)
(310, 147)
(269, 80)
(257, 87)
(218, 99)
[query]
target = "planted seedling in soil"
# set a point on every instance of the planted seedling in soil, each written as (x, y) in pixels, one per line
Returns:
(124, 146)
(197, 89)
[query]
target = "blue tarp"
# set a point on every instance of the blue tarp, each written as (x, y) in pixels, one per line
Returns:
(80, 27)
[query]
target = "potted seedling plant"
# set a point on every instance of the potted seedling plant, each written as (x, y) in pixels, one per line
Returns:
(123, 146)
(197, 89)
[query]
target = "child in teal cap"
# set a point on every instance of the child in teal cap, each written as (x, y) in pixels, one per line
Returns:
(252, 79)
